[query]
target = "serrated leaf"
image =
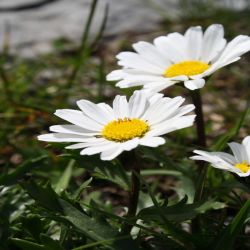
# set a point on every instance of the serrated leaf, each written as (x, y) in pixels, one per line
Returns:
(179, 212)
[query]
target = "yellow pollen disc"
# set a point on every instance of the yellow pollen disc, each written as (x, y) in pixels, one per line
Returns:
(187, 68)
(124, 129)
(244, 167)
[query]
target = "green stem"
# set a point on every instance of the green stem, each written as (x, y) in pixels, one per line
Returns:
(133, 195)
(200, 125)
(6, 85)
(201, 142)
(82, 52)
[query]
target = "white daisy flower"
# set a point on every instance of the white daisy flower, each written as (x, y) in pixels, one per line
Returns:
(187, 58)
(238, 163)
(99, 128)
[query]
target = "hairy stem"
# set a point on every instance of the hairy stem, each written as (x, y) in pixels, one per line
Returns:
(133, 195)
(201, 142)
(200, 126)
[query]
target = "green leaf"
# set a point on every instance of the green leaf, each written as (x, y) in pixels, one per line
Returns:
(226, 239)
(210, 205)
(178, 234)
(15, 176)
(83, 186)
(44, 195)
(102, 27)
(49, 243)
(110, 171)
(96, 230)
(27, 245)
(33, 224)
(63, 182)
(186, 186)
(179, 212)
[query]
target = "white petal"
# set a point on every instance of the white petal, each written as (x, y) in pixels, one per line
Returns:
(139, 79)
(178, 78)
(162, 109)
(71, 129)
(172, 125)
(158, 86)
(133, 60)
(129, 145)
(78, 118)
(173, 112)
(115, 75)
(155, 97)
(152, 111)
(215, 66)
(213, 42)
(98, 148)
(239, 152)
(77, 145)
(151, 141)
(120, 107)
(194, 42)
(172, 46)
(226, 157)
(150, 53)
(60, 137)
(110, 154)
(214, 159)
(107, 111)
(88, 143)
(246, 144)
(92, 111)
(238, 46)
(137, 104)
(244, 174)
(194, 84)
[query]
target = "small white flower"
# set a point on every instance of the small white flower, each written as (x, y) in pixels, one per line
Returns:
(238, 163)
(187, 58)
(99, 128)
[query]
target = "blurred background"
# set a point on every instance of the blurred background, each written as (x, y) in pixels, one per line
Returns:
(33, 24)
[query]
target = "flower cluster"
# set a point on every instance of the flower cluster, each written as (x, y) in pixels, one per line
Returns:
(148, 115)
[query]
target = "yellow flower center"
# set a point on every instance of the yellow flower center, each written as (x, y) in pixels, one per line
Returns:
(187, 68)
(124, 129)
(243, 166)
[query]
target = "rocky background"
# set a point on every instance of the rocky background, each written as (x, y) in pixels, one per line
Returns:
(31, 25)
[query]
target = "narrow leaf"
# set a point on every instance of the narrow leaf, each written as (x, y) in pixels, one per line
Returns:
(63, 182)
(27, 245)
(227, 237)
